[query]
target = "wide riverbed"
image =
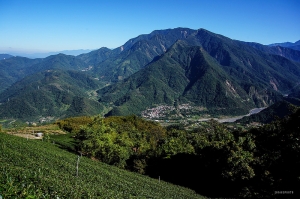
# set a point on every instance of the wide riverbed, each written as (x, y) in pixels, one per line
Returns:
(233, 119)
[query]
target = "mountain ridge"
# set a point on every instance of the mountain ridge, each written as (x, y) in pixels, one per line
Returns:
(175, 84)
(53, 93)
(209, 71)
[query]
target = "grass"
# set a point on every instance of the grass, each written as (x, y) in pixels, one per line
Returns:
(36, 169)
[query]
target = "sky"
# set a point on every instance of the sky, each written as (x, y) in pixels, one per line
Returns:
(32, 26)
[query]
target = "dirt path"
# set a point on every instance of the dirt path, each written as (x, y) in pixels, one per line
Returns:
(26, 135)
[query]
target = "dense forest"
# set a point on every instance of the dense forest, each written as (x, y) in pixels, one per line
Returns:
(212, 159)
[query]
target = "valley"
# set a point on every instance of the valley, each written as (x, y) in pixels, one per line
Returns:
(190, 120)
(154, 115)
(183, 112)
(182, 71)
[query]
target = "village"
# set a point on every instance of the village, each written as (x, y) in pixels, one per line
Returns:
(171, 112)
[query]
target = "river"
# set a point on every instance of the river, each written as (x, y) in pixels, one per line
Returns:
(233, 119)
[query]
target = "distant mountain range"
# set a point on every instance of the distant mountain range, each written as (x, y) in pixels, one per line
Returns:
(46, 54)
(52, 93)
(171, 73)
(5, 56)
(294, 46)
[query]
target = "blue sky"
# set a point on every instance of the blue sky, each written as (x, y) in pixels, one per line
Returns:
(55, 25)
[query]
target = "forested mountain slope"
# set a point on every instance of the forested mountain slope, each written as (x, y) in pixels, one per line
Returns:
(16, 68)
(54, 93)
(190, 74)
(208, 72)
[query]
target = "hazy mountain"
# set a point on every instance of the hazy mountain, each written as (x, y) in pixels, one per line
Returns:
(59, 61)
(286, 44)
(96, 56)
(47, 54)
(294, 46)
(16, 68)
(289, 53)
(52, 93)
(5, 56)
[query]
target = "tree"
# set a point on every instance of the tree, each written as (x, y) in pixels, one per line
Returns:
(104, 143)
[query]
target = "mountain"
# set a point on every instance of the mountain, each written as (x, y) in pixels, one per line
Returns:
(47, 54)
(296, 93)
(73, 52)
(211, 72)
(59, 61)
(16, 68)
(286, 44)
(137, 53)
(181, 72)
(184, 75)
(286, 52)
(294, 46)
(245, 63)
(5, 56)
(53, 93)
(96, 56)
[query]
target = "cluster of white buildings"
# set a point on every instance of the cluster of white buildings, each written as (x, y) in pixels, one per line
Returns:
(157, 112)
(87, 69)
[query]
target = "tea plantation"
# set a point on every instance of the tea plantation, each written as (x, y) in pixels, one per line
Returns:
(37, 169)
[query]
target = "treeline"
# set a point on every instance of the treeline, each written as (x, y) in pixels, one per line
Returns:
(213, 160)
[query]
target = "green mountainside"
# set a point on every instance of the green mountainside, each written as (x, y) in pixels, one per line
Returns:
(59, 61)
(53, 93)
(188, 74)
(138, 52)
(117, 64)
(96, 56)
(243, 62)
(258, 75)
(193, 72)
(16, 68)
